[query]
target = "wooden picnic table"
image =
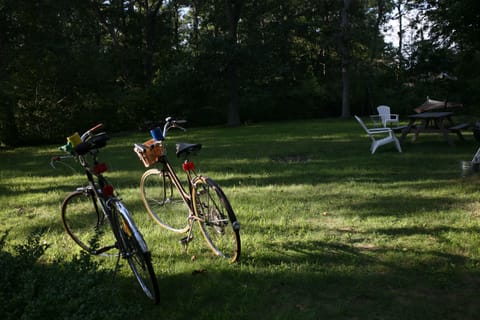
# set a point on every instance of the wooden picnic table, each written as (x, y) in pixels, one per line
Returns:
(433, 122)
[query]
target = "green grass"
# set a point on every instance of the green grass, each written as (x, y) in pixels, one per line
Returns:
(328, 230)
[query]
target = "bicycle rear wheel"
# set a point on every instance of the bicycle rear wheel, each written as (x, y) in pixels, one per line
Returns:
(135, 250)
(163, 200)
(84, 221)
(216, 218)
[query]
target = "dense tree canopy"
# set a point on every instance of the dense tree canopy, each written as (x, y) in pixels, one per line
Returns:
(68, 64)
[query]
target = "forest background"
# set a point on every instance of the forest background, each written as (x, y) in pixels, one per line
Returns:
(69, 63)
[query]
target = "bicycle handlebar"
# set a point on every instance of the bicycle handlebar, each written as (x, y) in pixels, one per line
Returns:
(58, 158)
(87, 141)
(172, 123)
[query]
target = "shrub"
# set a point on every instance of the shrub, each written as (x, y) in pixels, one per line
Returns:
(75, 289)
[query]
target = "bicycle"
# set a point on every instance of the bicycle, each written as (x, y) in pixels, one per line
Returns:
(86, 211)
(166, 198)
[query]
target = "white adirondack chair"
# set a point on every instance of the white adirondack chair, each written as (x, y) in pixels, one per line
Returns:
(380, 136)
(387, 117)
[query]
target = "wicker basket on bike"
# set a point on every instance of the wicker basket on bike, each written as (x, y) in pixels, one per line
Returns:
(149, 152)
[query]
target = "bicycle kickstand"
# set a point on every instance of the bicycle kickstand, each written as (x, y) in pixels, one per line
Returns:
(186, 240)
(117, 266)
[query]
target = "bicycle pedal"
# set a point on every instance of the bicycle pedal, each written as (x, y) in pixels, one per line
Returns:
(185, 240)
(105, 249)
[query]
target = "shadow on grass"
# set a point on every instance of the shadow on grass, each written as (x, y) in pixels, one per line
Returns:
(300, 283)
(77, 289)
(403, 206)
(297, 280)
(85, 287)
(343, 281)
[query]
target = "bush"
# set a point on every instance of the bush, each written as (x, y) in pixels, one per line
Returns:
(75, 290)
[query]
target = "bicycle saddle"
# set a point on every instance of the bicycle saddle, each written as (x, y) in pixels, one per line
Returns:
(187, 148)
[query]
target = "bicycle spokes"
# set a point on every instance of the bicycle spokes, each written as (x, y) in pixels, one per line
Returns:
(216, 219)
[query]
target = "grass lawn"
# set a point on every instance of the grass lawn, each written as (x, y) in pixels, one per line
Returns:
(329, 231)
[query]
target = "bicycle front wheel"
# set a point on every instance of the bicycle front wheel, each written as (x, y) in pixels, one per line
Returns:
(84, 221)
(216, 218)
(135, 250)
(163, 200)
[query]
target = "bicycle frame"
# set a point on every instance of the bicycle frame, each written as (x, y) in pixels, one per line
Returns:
(186, 195)
(104, 196)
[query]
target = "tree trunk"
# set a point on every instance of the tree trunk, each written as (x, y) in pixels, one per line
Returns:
(345, 48)
(399, 5)
(196, 22)
(9, 131)
(232, 10)
(373, 55)
(150, 22)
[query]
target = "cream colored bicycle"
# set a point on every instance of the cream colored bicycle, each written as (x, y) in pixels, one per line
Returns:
(176, 207)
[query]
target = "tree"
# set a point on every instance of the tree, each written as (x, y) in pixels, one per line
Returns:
(217, 60)
(233, 10)
(133, 27)
(374, 49)
(345, 48)
(8, 127)
(454, 29)
(454, 23)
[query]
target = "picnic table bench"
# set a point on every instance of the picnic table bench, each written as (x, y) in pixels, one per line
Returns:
(400, 129)
(458, 129)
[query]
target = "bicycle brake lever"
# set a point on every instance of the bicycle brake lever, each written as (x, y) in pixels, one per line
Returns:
(59, 158)
(52, 161)
(181, 128)
(177, 122)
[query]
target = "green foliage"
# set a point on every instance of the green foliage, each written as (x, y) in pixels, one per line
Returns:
(71, 64)
(62, 290)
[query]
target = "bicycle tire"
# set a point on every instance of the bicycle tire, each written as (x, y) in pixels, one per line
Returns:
(84, 221)
(163, 200)
(216, 218)
(134, 249)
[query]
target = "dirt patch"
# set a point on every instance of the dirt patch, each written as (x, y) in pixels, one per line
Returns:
(292, 158)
